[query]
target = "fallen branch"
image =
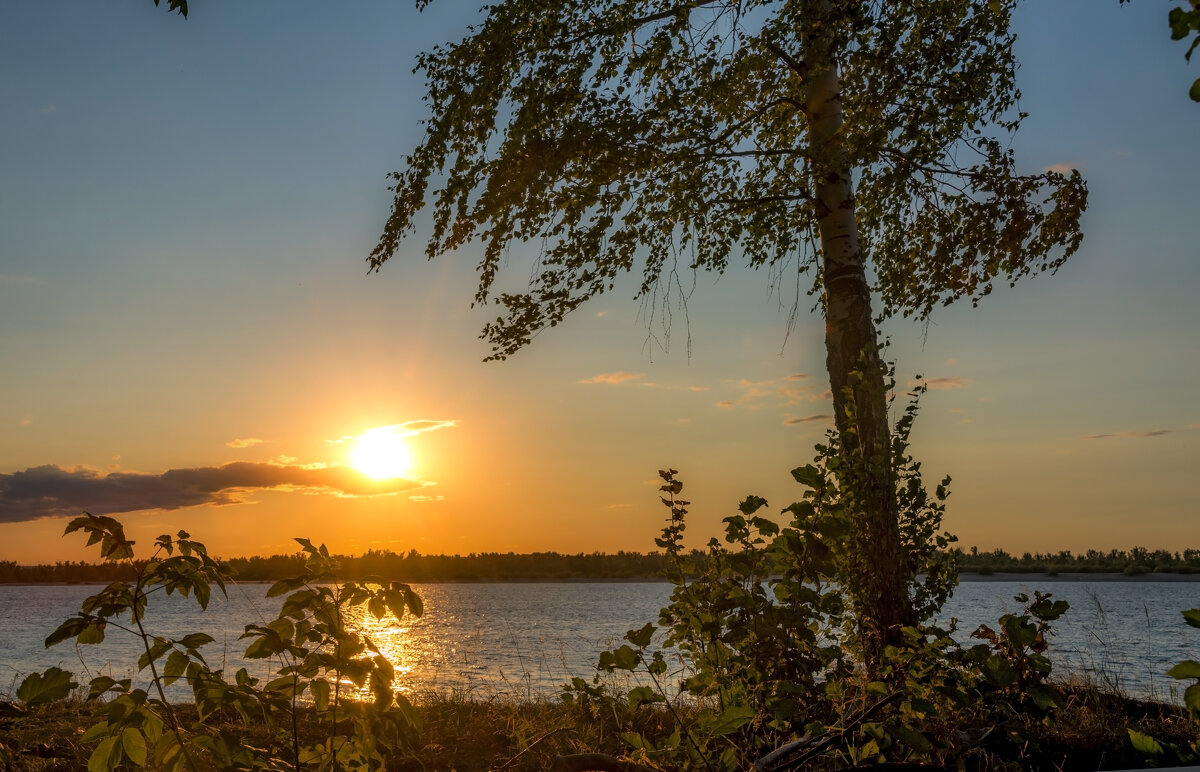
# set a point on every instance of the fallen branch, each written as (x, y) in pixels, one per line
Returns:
(781, 757)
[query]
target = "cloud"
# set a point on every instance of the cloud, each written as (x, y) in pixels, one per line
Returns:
(797, 377)
(1143, 433)
(26, 421)
(248, 442)
(725, 403)
(805, 420)
(601, 314)
(613, 378)
(47, 109)
(422, 498)
(51, 491)
(944, 383)
(406, 429)
(653, 385)
(1062, 168)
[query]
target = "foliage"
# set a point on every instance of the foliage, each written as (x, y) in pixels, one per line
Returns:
(626, 133)
(319, 652)
(175, 6)
(1185, 22)
(765, 643)
(1013, 661)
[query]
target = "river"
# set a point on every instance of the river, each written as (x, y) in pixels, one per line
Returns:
(523, 640)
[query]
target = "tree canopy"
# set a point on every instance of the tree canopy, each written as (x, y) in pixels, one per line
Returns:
(645, 136)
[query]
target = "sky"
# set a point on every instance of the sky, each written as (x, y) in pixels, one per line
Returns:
(189, 338)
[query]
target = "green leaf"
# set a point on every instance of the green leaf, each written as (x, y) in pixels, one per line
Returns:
(752, 504)
(1191, 698)
(176, 665)
(320, 692)
(731, 720)
(1189, 668)
(642, 694)
(625, 658)
(106, 757)
(134, 746)
(1194, 91)
(641, 638)
(1144, 743)
(414, 601)
(1192, 617)
(195, 640)
(92, 634)
(51, 685)
(69, 628)
(808, 475)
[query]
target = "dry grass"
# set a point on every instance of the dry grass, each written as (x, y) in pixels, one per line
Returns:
(469, 734)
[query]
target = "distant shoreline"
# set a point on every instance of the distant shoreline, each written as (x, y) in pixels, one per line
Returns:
(1030, 577)
(1077, 576)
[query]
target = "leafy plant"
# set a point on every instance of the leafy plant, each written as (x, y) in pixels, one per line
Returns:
(769, 629)
(324, 663)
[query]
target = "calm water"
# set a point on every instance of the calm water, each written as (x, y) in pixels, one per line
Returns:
(528, 639)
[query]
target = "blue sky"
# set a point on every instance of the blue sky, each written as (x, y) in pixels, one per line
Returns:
(185, 209)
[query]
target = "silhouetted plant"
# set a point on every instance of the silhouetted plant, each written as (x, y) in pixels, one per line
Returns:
(319, 652)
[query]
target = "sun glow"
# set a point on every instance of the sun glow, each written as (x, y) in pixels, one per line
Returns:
(381, 453)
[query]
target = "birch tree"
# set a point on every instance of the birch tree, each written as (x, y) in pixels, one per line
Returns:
(864, 142)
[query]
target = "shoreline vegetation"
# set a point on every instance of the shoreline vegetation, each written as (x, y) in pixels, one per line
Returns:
(1137, 563)
(473, 733)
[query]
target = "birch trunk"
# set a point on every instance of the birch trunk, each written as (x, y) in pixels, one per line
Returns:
(857, 373)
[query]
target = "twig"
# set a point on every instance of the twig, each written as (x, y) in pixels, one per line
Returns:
(530, 747)
(779, 758)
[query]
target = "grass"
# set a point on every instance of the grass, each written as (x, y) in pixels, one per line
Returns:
(467, 734)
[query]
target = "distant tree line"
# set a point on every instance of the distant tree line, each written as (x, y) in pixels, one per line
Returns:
(551, 566)
(1137, 560)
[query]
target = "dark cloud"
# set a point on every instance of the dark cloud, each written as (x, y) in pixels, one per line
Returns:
(805, 420)
(51, 491)
(1144, 433)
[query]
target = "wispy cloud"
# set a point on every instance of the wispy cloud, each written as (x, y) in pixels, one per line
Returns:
(652, 385)
(1143, 433)
(248, 442)
(788, 391)
(945, 383)
(612, 378)
(26, 421)
(47, 109)
(808, 419)
(406, 429)
(51, 491)
(1063, 168)
(422, 498)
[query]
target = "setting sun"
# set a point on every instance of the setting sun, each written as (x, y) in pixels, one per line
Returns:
(381, 453)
